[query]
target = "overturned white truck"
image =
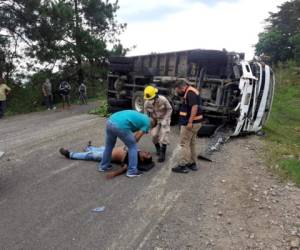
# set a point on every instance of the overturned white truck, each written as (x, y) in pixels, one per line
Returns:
(234, 92)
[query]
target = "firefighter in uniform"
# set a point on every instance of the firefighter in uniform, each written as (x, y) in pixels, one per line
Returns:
(159, 108)
(190, 118)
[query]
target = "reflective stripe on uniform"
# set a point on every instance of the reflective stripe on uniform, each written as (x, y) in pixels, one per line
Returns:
(186, 110)
(190, 88)
(199, 117)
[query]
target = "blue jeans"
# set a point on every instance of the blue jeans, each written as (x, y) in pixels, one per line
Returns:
(112, 133)
(91, 154)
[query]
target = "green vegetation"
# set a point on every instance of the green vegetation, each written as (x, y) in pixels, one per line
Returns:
(280, 40)
(102, 110)
(62, 40)
(28, 98)
(279, 44)
(283, 127)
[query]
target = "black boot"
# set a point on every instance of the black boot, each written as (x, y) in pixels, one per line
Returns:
(162, 153)
(64, 152)
(193, 166)
(182, 169)
(157, 146)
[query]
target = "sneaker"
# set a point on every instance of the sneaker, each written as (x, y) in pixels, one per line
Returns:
(86, 148)
(180, 169)
(193, 166)
(138, 173)
(64, 152)
(100, 169)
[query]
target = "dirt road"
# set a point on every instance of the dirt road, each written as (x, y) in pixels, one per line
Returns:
(46, 200)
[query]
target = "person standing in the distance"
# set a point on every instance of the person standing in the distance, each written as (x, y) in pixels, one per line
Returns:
(4, 91)
(64, 91)
(159, 108)
(190, 118)
(82, 93)
(48, 96)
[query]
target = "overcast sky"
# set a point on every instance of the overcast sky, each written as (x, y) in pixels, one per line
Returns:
(170, 25)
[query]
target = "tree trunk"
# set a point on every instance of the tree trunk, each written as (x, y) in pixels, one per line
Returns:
(78, 43)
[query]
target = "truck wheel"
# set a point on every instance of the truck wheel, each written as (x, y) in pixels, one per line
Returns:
(114, 109)
(206, 130)
(124, 103)
(138, 101)
(174, 119)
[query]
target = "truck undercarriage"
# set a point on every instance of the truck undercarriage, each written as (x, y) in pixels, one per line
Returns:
(234, 92)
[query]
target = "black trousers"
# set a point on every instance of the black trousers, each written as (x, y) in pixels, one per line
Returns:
(2, 108)
(49, 101)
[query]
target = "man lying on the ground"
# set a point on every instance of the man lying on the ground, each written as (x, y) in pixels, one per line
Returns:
(119, 156)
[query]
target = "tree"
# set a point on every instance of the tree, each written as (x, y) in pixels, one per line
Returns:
(280, 40)
(119, 50)
(15, 15)
(68, 33)
(75, 32)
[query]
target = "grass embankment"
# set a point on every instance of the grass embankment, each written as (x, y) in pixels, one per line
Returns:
(28, 105)
(283, 127)
(102, 110)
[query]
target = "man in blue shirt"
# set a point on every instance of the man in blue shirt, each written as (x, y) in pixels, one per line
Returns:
(129, 126)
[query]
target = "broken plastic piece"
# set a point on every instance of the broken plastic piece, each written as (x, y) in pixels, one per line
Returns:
(205, 158)
(261, 133)
(1, 153)
(98, 209)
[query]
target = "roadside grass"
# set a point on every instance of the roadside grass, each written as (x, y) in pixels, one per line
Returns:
(102, 110)
(11, 111)
(283, 127)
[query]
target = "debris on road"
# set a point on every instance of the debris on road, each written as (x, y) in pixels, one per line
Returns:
(295, 243)
(98, 209)
(221, 136)
(1, 153)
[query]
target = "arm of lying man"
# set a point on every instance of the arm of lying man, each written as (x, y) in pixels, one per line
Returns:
(118, 172)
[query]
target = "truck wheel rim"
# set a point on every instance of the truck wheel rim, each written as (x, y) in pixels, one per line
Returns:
(139, 104)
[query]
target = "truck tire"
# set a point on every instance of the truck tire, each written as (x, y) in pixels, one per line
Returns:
(206, 130)
(125, 103)
(138, 101)
(120, 60)
(114, 109)
(174, 119)
(120, 68)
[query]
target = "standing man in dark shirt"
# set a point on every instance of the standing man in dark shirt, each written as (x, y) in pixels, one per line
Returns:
(190, 118)
(64, 90)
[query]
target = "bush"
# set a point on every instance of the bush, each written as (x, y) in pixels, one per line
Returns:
(102, 110)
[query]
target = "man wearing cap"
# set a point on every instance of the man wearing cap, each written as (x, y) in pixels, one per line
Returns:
(159, 108)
